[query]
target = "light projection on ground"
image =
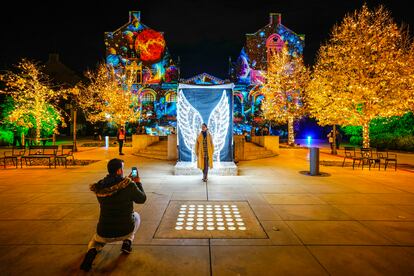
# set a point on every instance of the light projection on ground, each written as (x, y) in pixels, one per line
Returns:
(209, 217)
(190, 120)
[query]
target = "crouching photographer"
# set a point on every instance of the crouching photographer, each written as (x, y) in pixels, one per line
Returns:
(116, 195)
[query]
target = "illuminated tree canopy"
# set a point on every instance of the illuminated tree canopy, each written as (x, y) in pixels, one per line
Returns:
(362, 72)
(286, 78)
(35, 100)
(108, 96)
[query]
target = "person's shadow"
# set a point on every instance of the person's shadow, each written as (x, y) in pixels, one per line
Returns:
(110, 264)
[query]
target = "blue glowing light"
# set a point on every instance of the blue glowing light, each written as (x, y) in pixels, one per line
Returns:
(309, 140)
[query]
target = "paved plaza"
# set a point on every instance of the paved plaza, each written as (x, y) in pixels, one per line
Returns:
(357, 222)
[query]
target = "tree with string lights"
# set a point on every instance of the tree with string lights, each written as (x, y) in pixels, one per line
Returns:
(108, 97)
(362, 72)
(283, 89)
(35, 99)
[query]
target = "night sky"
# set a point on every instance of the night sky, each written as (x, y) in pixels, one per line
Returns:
(203, 33)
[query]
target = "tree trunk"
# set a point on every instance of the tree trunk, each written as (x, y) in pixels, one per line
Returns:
(334, 140)
(75, 146)
(365, 134)
(38, 128)
(291, 133)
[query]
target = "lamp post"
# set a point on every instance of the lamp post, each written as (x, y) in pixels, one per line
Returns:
(73, 110)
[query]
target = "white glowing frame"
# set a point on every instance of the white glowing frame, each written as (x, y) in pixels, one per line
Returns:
(189, 124)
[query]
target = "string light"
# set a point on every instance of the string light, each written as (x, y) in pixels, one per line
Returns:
(108, 96)
(34, 96)
(218, 122)
(189, 122)
(363, 72)
(286, 78)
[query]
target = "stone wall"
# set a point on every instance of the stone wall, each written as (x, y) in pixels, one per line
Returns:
(172, 151)
(271, 143)
(239, 141)
(141, 141)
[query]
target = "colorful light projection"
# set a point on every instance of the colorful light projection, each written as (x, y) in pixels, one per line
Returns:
(136, 42)
(150, 45)
(254, 56)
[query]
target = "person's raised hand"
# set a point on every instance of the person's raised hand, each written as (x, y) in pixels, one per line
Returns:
(135, 179)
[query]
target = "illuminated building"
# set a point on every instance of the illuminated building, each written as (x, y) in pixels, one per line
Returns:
(136, 45)
(246, 71)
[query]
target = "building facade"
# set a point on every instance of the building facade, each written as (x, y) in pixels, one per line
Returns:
(247, 71)
(135, 45)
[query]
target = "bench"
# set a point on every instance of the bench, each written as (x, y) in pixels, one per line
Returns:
(41, 152)
(351, 154)
(387, 157)
(14, 155)
(65, 153)
(369, 157)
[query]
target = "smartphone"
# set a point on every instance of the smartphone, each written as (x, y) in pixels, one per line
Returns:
(134, 172)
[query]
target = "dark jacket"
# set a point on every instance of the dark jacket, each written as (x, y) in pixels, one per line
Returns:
(116, 196)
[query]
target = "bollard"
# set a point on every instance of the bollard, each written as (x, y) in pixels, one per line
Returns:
(314, 161)
(106, 142)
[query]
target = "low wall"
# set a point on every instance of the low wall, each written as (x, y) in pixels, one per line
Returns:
(258, 140)
(172, 151)
(239, 141)
(271, 143)
(141, 141)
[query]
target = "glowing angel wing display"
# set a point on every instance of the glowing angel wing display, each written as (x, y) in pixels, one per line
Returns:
(218, 123)
(189, 121)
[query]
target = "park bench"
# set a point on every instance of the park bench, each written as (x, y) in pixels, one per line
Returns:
(350, 153)
(66, 153)
(15, 155)
(366, 156)
(387, 157)
(41, 152)
(369, 157)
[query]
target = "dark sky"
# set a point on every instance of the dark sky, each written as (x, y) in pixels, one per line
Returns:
(203, 33)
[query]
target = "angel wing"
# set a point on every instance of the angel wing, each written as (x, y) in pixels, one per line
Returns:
(189, 123)
(218, 123)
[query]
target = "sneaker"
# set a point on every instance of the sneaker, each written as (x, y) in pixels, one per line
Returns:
(88, 260)
(126, 246)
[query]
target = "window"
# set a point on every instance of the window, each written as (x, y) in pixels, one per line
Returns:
(171, 97)
(148, 97)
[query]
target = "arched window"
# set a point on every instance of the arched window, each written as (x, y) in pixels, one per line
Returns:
(148, 95)
(148, 98)
(171, 97)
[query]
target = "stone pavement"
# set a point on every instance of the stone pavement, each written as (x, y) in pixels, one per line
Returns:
(350, 222)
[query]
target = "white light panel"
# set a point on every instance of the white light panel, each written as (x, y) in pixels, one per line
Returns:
(209, 217)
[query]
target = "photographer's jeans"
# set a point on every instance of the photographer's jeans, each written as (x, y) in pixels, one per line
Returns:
(99, 242)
